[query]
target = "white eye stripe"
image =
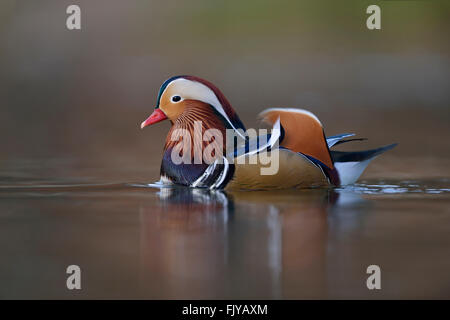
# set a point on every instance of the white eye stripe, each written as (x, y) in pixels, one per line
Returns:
(198, 91)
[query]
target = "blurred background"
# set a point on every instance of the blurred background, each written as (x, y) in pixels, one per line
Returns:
(77, 97)
(71, 102)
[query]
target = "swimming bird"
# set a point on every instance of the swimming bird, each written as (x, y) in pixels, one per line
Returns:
(201, 116)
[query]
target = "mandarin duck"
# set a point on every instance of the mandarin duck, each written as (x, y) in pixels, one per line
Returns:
(297, 141)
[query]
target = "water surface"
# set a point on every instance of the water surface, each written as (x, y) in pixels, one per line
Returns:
(136, 240)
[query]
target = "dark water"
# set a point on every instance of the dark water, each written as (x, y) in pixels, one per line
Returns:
(134, 240)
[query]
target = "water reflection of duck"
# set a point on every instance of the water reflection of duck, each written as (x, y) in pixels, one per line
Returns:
(183, 200)
(259, 244)
(303, 156)
(192, 208)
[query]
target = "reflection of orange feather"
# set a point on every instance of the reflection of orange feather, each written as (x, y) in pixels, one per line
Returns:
(303, 133)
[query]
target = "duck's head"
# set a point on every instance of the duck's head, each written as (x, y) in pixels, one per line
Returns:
(181, 92)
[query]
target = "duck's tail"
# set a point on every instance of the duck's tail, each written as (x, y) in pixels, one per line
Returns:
(350, 165)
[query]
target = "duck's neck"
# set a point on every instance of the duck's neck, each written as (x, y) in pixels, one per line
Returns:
(198, 123)
(198, 131)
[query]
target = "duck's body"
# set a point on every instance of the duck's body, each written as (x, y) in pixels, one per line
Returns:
(297, 143)
(295, 171)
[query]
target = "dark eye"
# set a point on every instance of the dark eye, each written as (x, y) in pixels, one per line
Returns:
(176, 98)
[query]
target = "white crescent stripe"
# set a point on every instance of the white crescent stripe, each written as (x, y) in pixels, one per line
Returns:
(189, 89)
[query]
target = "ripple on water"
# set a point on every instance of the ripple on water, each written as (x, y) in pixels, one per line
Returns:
(440, 186)
(372, 187)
